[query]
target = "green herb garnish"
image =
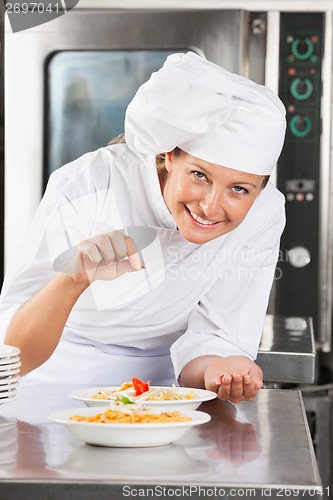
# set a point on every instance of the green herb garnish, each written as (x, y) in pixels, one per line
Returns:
(125, 400)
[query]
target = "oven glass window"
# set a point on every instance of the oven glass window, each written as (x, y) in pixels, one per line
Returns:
(87, 95)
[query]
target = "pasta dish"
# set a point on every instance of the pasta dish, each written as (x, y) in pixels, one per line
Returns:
(131, 391)
(125, 413)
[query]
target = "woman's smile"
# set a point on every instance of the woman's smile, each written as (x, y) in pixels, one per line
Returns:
(207, 200)
(200, 220)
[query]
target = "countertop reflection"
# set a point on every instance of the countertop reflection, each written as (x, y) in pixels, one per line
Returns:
(262, 443)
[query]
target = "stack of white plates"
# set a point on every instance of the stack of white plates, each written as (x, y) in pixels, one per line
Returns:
(9, 372)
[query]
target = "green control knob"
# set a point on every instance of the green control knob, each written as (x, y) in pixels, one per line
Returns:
(302, 48)
(300, 125)
(301, 88)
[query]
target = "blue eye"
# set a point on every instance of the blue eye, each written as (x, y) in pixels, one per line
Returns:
(199, 175)
(240, 189)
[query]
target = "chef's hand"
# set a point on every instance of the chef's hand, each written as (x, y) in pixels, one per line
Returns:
(104, 257)
(233, 378)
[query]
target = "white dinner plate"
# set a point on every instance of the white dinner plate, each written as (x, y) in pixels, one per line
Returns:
(7, 361)
(4, 368)
(5, 374)
(8, 387)
(7, 400)
(199, 396)
(7, 351)
(10, 391)
(7, 395)
(126, 435)
(9, 380)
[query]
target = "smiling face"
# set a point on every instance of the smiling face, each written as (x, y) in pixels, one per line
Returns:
(207, 200)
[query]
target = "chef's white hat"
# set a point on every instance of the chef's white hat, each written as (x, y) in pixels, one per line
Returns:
(209, 113)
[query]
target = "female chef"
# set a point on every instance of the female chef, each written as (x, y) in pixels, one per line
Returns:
(163, 272)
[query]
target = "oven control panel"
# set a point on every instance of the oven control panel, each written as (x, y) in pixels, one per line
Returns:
(298, 172)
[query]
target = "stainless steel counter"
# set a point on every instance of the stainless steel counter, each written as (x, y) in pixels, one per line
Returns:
(259, 448)
(287, 350)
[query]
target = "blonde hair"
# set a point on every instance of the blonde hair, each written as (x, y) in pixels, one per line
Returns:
(160, 158)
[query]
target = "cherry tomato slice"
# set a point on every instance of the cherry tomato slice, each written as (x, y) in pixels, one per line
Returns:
(139, 386)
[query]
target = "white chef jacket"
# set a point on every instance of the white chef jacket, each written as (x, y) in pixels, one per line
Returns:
(190, 300)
